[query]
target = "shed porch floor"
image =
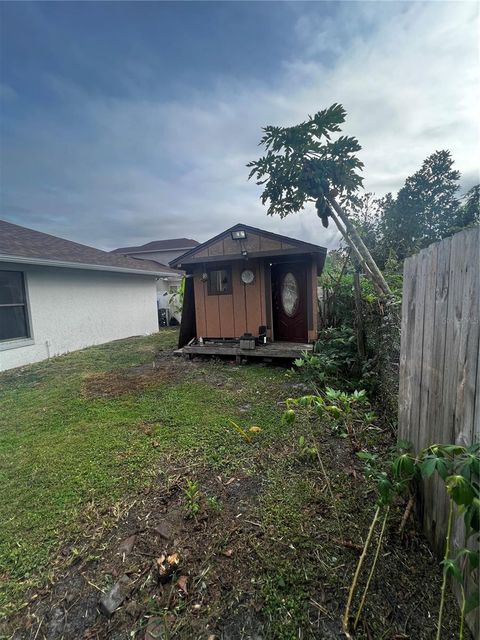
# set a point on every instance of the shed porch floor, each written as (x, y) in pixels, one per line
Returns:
(288, 350)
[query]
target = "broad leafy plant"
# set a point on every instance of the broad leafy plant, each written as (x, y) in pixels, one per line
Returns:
(311, 162)
(346, 412)
(459, 468)
(191, 491)
(334, 359)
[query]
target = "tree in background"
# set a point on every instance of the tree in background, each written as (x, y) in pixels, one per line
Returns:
(426, 209)
(304, 164)
(469, 212)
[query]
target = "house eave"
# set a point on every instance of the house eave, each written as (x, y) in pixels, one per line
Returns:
(43, 262)
(319, 256)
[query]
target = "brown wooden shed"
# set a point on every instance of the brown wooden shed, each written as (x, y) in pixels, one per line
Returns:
(250, 281)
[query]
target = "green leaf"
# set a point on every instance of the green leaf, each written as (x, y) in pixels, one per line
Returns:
(428, 466)
(289, 416)
(404, 444)
(443, 467)
(365, 455)
(334, 410)
(471, 602)
(403, 467)
(453, 449)
(432, 462)
(385, 489)
(450, 568)
(459, 490)
(472, 517)
(473, 557)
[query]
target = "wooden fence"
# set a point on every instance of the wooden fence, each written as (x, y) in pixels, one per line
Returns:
(439, 394)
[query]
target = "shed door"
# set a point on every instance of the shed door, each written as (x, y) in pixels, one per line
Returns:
(289, 293)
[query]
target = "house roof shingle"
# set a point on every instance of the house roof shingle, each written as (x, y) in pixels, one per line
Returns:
(160, 245)
(36, 247)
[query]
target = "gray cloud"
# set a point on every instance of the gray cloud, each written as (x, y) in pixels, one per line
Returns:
(111, 172)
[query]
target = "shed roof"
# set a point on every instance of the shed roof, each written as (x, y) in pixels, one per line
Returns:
(20, 244)
(283, 245)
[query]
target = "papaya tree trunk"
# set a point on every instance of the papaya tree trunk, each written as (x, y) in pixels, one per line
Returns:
(358, 255)
(353, 237)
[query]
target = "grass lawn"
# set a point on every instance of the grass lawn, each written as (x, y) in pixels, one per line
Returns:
(98, 445)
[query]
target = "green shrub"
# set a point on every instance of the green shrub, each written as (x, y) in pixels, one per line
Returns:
(334, 359)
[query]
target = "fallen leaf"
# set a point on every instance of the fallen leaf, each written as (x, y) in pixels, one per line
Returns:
(182, 584)
(167, 565)
(173, 559)
(255, 429)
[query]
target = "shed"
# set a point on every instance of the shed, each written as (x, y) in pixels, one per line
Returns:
(247, 282)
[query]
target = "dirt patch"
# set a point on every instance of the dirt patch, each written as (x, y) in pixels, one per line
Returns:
(164, 369)
(213, 547)
(121, 381)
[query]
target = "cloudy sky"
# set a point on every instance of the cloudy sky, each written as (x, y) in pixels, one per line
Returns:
(123, 123)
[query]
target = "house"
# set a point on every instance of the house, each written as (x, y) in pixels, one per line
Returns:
(57, 296)
(163, 252)
(250, 281)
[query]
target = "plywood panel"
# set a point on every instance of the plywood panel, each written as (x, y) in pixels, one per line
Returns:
(287, 245)
(239, 309)
(225, 309)
(212, 315)
(251, 243)
(231, 247)
(253, 300)
(269, 244)
(216, 248)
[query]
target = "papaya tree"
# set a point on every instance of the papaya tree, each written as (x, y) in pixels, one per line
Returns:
(309, 162)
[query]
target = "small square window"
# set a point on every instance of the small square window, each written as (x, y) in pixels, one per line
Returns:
(219, 282)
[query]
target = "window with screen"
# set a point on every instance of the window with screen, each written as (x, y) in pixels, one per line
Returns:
(13, 306)
(219, 282)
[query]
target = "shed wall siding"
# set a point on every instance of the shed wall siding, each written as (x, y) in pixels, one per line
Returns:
(254, 242)
(230, 316)
(71, 309)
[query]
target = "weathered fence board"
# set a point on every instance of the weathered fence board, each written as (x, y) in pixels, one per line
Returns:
(439, 390)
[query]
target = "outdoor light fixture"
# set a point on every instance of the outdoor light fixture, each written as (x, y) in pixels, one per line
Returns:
(238, 235)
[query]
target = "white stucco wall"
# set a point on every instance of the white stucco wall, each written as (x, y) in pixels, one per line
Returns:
(72, 308)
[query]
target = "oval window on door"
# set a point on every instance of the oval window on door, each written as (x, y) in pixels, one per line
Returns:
(290, 294)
